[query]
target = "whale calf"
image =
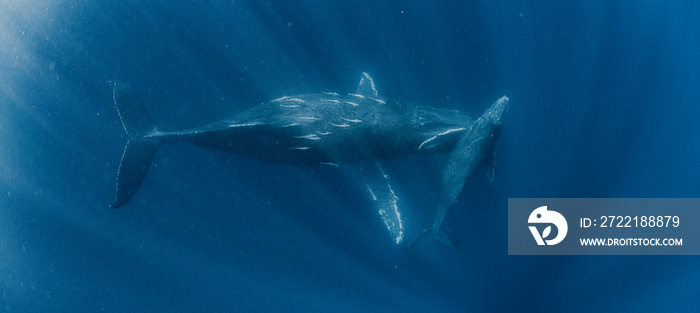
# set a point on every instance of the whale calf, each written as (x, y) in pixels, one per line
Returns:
(328, 128)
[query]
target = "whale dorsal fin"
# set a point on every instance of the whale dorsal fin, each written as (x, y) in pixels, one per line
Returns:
(366, 86)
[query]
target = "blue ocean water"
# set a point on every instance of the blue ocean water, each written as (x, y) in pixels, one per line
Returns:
(603, 104)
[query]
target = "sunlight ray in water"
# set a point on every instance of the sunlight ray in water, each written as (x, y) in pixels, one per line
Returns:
(603, 105)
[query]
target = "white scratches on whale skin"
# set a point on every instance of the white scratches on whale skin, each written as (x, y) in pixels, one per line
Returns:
(289, 106)
(312, 118)
(352, 103)
(309, 137)
(340, 125)
(374, 197)
(351, 120)
(280, 99)
(330, 101)
(440, 134)
(330, 164)
(323, 133)
(299, 148)
(290, 125)
(363, 97)
(242, 125)
(330, 93)
(385, 177)
(287, 98)
(378, 100)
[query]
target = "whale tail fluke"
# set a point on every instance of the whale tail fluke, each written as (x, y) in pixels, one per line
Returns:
(136, 160)
(131, 110)
(141, 146)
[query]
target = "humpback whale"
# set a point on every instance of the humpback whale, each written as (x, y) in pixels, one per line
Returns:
(327, 128)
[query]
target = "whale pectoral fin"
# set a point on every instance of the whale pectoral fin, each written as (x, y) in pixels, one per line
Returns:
(384, 199)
